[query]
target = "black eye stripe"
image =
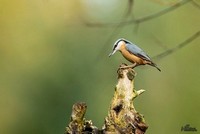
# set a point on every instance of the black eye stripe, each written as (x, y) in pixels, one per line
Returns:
(114, 47)
(117, 42)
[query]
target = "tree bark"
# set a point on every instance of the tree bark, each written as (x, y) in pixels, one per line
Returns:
(122, 116)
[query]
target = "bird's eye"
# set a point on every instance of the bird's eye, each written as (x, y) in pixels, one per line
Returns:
(114, 47)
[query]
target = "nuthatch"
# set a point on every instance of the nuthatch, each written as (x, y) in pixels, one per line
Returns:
(132, 53)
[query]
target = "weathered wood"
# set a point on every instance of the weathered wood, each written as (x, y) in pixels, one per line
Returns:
(77, 118)
(78, 124)
(122, 116)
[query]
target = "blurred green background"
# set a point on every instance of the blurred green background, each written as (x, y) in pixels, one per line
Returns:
(49, 59)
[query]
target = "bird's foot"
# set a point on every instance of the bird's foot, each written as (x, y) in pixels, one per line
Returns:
(128, 66)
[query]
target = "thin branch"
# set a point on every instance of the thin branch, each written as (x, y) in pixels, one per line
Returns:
(159, 42)
(160, 2)
(196, 4)
(139, 20)
(117, 29)
(130, 7)
(115, 32)
(178, 47)
(155, 15)
(127, 13)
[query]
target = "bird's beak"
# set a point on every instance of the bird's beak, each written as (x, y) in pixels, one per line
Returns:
(112, 53)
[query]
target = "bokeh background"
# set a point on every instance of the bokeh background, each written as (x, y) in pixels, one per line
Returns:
(50, 59)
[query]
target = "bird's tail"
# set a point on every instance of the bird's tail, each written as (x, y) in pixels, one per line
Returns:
(154, 65)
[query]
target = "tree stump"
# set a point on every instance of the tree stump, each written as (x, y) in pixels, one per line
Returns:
(122, 117)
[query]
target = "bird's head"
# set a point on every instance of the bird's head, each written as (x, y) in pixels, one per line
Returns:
(117, 46)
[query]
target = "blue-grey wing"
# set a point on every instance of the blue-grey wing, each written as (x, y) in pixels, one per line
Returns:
(132, 48)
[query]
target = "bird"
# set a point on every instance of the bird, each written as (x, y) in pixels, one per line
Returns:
(132, 53)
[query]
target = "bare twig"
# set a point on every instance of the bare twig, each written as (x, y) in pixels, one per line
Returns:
(196, 4)
(160, 2)
(130, 7)
(159, 42)
(142, 19)
(158, 14)
(179, 46)
(118, 28)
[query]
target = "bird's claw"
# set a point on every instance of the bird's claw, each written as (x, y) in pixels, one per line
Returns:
(128, 66)
(125, 67)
